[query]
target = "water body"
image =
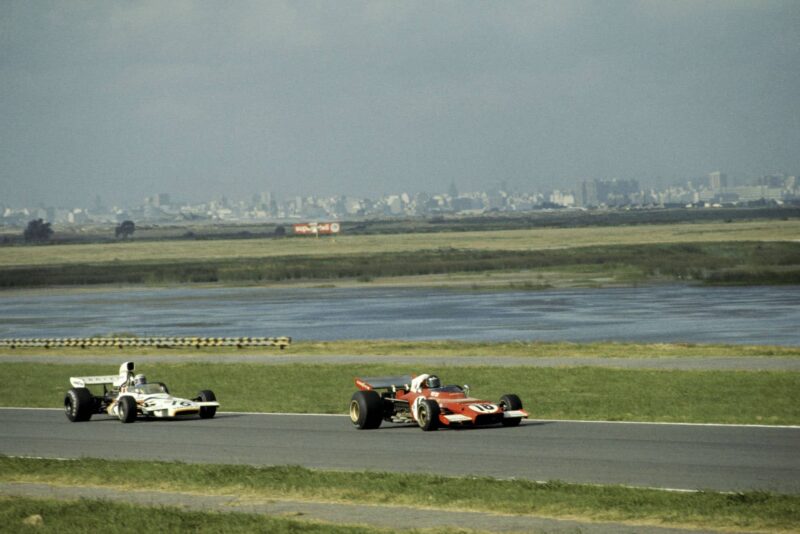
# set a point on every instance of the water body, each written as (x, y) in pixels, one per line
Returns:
(750, 315)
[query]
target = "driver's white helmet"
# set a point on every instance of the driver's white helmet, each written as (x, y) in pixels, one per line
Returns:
(139, 380)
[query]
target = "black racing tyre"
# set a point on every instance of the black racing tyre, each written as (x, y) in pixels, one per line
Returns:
(366, 410)
(207, 412)
(78, 404)
(127, 409)
(428, 415)
(511, 402)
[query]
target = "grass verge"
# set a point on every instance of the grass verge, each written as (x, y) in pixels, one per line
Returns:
(749, 511)
(734, 397)
(390, 347)
(535, 349)
(19, 514)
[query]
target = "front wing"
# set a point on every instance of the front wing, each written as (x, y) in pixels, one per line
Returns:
(471, 416)
(166, 408)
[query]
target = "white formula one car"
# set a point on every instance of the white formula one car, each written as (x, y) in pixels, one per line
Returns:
(131, 395)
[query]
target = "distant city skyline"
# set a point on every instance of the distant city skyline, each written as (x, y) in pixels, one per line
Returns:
(713, 191)
(365, 98)
(713, 181)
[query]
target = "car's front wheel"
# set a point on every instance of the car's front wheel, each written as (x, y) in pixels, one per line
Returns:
(428, 415)
(127, 409)
(511, 402)
(366, 410)
(78, 405)
(207, 412)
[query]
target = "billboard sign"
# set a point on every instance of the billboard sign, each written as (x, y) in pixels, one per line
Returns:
(316, 228)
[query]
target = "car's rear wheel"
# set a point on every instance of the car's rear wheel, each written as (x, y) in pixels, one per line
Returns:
(511, 402)
(78, 404)
(366, 410)
(127, 409)
(207, 412)
(428, 415)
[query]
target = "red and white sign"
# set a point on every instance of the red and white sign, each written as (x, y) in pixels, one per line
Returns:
(316, 228)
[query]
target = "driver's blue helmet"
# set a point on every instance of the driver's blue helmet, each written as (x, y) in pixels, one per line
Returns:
(139, 380)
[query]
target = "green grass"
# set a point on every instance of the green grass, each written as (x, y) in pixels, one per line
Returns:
(751, 262)
(741, 511)
(389, 347)
(549, 393)
(90, 516)
(531, 349)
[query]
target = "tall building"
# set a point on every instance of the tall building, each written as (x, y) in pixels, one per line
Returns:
(776, 181)
(717, 181)
(452, 190)
(614, 192)
(159, 201)
(588, 193)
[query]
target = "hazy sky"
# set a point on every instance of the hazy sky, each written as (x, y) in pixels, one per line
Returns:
(203, 99)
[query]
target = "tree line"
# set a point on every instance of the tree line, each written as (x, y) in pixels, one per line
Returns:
(39, 231)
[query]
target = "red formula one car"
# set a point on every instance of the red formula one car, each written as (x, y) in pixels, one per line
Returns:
(424, 400)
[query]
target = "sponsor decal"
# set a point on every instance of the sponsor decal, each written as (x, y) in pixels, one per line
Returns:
(484, 408)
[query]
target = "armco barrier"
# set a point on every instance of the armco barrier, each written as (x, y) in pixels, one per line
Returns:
(142, 342)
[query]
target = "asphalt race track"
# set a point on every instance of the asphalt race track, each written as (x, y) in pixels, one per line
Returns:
(727, 458)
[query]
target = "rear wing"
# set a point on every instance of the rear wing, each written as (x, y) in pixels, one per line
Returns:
(385, 382)
(83, 381)
(125, 374)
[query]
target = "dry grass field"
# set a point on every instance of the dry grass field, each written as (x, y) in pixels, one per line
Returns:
(508, 240)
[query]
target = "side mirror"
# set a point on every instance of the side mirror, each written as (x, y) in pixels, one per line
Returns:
(466, 389)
